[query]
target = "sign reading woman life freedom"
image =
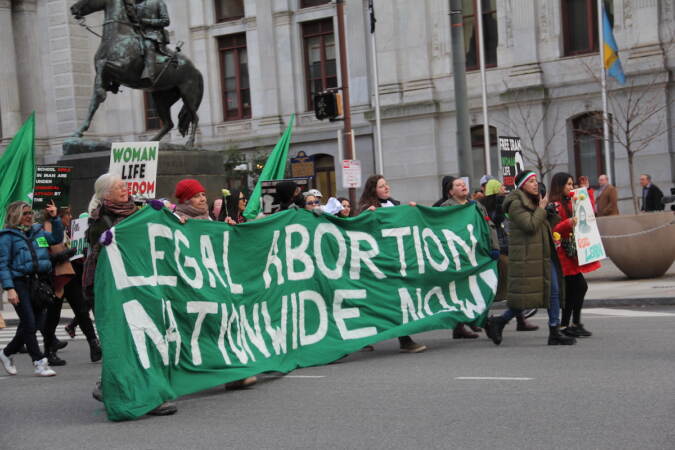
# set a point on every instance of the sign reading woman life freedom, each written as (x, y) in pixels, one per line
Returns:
(136, 164)
(586, 233)
(183, 308)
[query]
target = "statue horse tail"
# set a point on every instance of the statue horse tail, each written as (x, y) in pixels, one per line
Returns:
(188, 113)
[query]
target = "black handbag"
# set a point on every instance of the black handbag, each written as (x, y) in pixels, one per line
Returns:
(41, 291)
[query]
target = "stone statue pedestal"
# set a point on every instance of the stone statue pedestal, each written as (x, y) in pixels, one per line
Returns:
(90, 159)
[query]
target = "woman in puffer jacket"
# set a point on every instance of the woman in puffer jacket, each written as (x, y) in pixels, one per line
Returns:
(24, 253)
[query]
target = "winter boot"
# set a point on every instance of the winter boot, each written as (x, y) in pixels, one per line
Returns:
(95, 353)
(494, 327)
(524, 325)
(555, 338)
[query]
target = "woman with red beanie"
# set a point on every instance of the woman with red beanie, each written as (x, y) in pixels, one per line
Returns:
(192, 202)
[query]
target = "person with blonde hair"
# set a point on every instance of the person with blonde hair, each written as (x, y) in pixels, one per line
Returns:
(25, 265)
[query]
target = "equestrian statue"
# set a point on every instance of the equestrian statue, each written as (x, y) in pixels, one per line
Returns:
(134, 53)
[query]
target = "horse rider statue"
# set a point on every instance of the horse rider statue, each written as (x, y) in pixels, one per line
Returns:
(152, 17)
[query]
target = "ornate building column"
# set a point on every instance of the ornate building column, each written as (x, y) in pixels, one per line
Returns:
(10, 104)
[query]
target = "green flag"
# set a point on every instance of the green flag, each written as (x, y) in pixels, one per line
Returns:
(17, 168)
(185, 307)
(275, 168)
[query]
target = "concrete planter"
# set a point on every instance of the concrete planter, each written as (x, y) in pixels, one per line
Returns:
(644, 246)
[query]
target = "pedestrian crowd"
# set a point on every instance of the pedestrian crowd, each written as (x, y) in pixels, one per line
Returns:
(531, 237)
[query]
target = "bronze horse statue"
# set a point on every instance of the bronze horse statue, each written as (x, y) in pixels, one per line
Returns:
(119, 61)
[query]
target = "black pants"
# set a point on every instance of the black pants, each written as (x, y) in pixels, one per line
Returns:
(51, 321)
(575, 292)
(29, 320)
(81, 306)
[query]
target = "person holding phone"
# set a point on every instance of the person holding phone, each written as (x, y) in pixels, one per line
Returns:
(24, 256)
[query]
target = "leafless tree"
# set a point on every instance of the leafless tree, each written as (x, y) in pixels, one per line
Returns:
(638, 115)
(528, 120)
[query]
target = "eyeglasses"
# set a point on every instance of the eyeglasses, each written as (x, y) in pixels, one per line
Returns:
(28, 213)
(314, 203)
(243, 199)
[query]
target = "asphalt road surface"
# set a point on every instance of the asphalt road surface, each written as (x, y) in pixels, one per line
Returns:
(612, 391)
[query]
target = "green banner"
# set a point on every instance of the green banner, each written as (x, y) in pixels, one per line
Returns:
(183, 308)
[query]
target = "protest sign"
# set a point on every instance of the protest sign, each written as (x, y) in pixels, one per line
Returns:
(52, 183)
(77, 236)
(183, 308)
(586, 233)
(511, 152)
(136, 164)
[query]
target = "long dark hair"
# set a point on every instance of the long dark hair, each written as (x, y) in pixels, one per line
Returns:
(230, 206)
(351, 210)
(556, 191)
(369, 196)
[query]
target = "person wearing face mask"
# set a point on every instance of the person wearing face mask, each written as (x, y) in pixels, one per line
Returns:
(534, 270)
(458, 194)
(575, 284)
(376, 194)
(24, 256)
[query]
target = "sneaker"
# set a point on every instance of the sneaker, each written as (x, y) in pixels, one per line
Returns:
(54, 360)
(570, 332)
(97, 393)
(165, 409)
(7, 363)
(412, 347)
(581, 331)
(42, 368)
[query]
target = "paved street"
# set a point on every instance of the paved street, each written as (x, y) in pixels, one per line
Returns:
(614, 390)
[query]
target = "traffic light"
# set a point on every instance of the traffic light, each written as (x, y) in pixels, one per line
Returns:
(328, 105)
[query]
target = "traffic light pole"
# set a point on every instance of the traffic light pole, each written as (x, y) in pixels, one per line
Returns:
(344, 74)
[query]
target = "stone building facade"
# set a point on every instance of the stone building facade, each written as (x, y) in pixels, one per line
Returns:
(263, 59)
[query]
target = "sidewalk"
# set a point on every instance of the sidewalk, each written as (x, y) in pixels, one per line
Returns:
(607, 287)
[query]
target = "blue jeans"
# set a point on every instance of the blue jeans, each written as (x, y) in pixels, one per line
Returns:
(29, 321)
(554, 303)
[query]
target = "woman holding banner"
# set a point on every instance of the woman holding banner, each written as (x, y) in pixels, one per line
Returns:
(534, 272)
(110, 204)
(576, 287)
(24, 273)
(376, 194)
(193, 204)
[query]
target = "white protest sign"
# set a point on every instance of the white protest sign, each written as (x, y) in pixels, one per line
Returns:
(351, 173)
(78, 228)
(586, 233)
(136, 164)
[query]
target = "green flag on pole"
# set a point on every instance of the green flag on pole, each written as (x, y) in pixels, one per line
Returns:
(275, 169)
(17, 168)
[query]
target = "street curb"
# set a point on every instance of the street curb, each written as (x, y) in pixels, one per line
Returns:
(590, 303)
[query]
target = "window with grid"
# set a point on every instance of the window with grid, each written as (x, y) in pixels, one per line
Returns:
(234, 72)
(308, 3)
(490, 35)
(229, 10)
(580, 25)
(152, 120)
(320, 63)
(588, 145)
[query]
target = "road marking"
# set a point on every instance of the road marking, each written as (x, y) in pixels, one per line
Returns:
(496, 378)
(625, 313)
(293, 376)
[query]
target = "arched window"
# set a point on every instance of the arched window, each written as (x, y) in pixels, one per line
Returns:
(478, 154)
(324, 175)
(589, 157)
